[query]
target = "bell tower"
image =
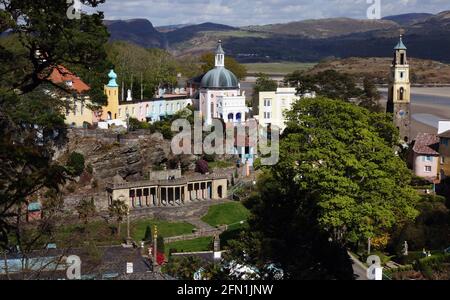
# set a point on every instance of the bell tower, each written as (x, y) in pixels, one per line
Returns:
(399, 94)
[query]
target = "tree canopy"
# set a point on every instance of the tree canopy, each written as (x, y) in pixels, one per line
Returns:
(336, 85)
(132, 63)
(40, 37)
(338, 181)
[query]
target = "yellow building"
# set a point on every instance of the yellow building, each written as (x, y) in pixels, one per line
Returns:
(111, 111)
(272, 105)
(77, 112)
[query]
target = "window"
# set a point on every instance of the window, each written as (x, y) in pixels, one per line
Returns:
(402, 92)
(429, 158)
(428, 169)
(401, 74)
(442, 160)
(266, 115)
(267, 102)
(444, 142)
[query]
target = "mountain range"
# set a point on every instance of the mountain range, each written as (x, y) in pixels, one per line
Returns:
(426, 35)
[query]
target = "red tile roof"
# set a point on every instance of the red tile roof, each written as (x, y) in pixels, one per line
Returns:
(427, 144)
(60, 75)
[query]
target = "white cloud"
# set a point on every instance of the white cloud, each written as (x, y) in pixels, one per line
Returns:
(251, 12)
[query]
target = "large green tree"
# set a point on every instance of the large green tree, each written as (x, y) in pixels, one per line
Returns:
(338, 182)
(40, 36)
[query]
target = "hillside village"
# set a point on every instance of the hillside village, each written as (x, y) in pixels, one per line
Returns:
(150, 164)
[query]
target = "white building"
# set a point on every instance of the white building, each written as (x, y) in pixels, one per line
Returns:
(272, 105)
(220, 94)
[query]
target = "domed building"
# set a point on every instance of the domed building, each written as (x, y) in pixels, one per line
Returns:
(220, 94)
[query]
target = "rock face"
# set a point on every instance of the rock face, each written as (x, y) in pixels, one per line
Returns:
(129, 156)
(112, 157)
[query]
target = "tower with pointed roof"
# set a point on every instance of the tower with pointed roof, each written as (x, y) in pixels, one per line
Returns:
(110, 112)
(399, 94)
(220, 95)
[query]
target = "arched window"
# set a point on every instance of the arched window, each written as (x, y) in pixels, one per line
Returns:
(230, 117)
(238, 117)
(402, 93)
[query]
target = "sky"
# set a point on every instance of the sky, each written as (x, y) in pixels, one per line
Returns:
(258, 12)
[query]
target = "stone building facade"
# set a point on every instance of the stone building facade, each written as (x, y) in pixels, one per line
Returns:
(172, 191)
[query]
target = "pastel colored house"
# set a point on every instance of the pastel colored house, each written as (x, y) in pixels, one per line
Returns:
(444, 148)
(34, 211)
(425, 156)
(76, 97)
(273, 105)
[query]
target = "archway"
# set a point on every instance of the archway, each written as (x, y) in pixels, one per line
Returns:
(109, 115)
(220, 192)
(230, 117)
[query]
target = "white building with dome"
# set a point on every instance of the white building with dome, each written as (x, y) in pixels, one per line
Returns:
(220, 94)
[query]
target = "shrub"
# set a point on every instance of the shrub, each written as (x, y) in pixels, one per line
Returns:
(429, 265)
(201, 166)
(160, 244)
(75, 163)
(148, 238)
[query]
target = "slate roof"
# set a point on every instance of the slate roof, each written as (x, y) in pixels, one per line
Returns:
(426, 144)
(106, 263)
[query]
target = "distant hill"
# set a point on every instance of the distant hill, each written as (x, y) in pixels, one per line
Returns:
(325, 28)
(137, 31)
(188, 32)
(426, 36)
(168, 28)
(408, 19)
(422, 71)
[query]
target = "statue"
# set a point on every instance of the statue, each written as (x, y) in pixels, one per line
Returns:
(405, 249)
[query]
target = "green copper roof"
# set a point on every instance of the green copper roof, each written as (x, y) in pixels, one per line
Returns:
(220, 78)
(35, 206)
(400, 45)
(219, 48)
(112, 79)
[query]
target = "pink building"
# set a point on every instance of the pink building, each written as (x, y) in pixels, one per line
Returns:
(425, 156)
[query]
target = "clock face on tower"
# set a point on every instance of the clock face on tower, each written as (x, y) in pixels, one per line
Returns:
(402, 113)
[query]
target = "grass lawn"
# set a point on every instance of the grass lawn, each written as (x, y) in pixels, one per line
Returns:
(104, 234)
(165, 229)
(225, 214)
(278, 68)
(220, 164)
(196, 245)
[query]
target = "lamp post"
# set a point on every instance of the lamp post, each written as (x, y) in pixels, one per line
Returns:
(128, 225)
(155, 246)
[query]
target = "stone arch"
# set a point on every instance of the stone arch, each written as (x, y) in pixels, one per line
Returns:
(230, 117)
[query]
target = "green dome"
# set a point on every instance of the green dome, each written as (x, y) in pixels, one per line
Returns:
(220, 78)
